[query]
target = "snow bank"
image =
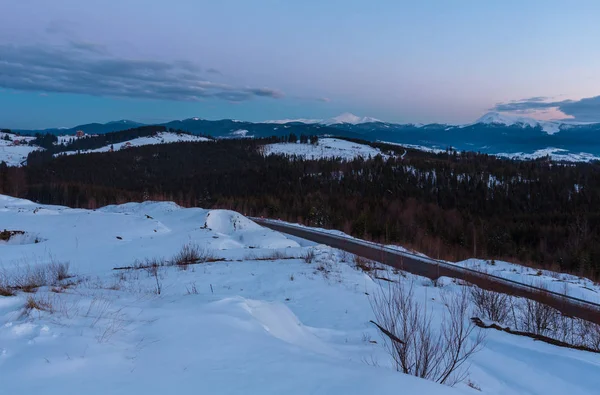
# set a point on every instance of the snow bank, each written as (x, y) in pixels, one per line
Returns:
(95, 241)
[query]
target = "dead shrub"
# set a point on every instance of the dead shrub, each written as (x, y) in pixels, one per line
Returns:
(275, 256)
(490, 305)
(39, 304)
(191, 254)
(5, 286)
(59, 271)
(31, 278)
(363, 264)
(309, 257)
(536, 317)
(416, 347)
(192, 290)
(6, 291)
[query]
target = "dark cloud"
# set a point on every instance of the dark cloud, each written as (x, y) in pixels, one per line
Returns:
(213, 71)
(89, 47)
(87, 68)
(534, 99)
(584, 110)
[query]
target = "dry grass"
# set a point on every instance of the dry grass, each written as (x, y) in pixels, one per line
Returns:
(59, 271)
(29, 278)
(309, 257)
(363, 264)
(38, 304)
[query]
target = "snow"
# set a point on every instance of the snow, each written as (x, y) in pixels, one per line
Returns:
(299, 120)
(13, 154)
(242, 325)
(579, 287)
(340, 119)
(349, 118)
(241, 133)
(556, 154)
(550, 127)
(159, 138)
(416, 147)
(325, 148)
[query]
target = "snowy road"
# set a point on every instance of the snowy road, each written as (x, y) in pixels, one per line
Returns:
(433, 269)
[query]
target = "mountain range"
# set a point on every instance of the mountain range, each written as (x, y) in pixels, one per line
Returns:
(493, 133)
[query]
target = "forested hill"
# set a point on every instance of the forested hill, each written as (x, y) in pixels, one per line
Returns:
(52, 145)
(447, 205)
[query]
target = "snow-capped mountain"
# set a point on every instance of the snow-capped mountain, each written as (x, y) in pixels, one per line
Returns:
(345, 118)
(300, 120)
(549, 127)
(349, 118)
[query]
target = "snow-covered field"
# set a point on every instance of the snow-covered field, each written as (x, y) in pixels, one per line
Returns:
(14, 154)
(556, 154)
(417, 147)
(325, 148)
(263, 320)
(159, 138)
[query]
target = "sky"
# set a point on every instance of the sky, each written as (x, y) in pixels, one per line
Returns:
(67, 62)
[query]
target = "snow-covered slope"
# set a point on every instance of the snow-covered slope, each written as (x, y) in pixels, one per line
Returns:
(257, 320)
(556, 154)
(159, 138)
(13, 153)
(325, 148)
(549, 127)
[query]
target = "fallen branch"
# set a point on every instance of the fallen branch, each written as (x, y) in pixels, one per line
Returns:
(387, 333)
(478, 322)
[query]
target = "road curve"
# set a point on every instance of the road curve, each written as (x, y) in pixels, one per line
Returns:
(433, 269)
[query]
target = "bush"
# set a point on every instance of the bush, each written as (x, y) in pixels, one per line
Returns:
(415, 346)
(490, 305)
(538, 318)
(191, 254)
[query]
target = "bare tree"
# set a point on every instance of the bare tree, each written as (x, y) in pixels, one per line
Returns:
(415, 346)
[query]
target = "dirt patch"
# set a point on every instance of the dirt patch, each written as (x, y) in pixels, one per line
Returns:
(6, 235)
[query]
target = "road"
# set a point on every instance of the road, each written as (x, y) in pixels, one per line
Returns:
(433, 269)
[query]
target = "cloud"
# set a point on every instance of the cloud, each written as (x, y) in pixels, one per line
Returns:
(213, 71)
(87, 68)
(583, 110)
(89, 47)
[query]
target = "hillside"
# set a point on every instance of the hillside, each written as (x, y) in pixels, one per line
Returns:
(494, 133)
(256, 316)
(14, 149)
(448, 205)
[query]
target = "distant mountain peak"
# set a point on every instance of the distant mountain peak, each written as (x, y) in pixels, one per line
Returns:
(498, 118)
(350, 119)
(345, 118)
(123, 121)
(299, 120)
